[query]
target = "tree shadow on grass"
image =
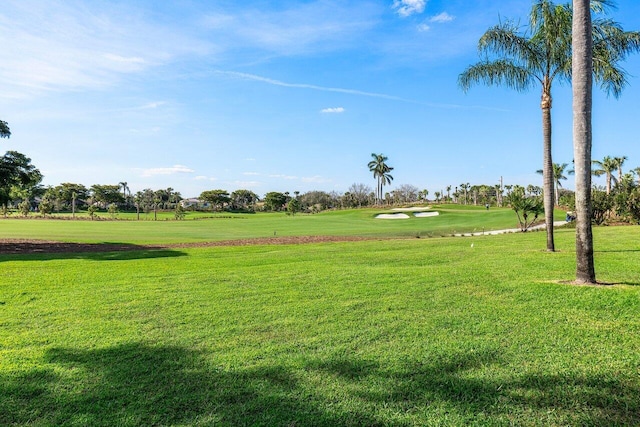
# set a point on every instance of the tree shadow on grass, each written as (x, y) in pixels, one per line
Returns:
(139, 384)
(107, 251)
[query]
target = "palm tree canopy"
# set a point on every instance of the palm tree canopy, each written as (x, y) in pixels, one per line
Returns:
(544, 53)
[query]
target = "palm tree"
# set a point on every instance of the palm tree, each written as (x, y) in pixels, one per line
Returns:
(619, 161)
(558, 175)
(543, 56)
(4, 129)
(637, 172)
(582, 72)
(380, 172)
(125, 187)
(607, 167)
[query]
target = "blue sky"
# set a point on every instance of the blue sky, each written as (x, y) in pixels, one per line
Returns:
(280, 95)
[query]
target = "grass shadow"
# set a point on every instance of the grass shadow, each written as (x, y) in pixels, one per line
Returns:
(139, 384)
(106, 251)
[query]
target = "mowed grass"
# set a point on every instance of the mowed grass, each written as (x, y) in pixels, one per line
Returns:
(407, 332)
(359, 222)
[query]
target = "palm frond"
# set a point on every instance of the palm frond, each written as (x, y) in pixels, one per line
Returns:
(500, 72)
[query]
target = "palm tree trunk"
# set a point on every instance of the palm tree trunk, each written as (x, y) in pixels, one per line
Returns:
(582, 102)
(547, 169)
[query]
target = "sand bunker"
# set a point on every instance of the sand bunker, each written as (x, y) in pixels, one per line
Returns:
(392, 216)
(411, 209)
(425, 214)
(405, 216)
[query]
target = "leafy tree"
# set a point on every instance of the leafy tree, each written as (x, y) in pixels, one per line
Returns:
(4, 129)
(17, 172)
(316, 201)
(218, 198)
(381, 173)
(24, 207)
(45, 207)
(91, 211)
(243, 199)
(105, 194)
(527, 208)
(274, 201)
(179, 212)
(113, 210)
(543, 56)
(293, 207)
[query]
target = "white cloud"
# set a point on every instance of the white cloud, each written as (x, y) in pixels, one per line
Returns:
(250, 173)
(315, 179)
(333, 110)
(166, 171)
(423, 28)
(442, 18)
(288, 177)
(61, 45)
(406, 8)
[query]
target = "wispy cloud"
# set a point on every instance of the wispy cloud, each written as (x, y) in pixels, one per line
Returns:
(333, 110)
(406, 8)
(177, 169)
(280, 176)
(246, 76)
(299, 28)
(270, 81)
(442, 18)
(58, 45)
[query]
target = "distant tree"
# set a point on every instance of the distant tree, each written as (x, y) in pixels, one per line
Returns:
(105, 194)
(4, 129)
(293, 206)
(113, 210)
(17, 172)
(636, 171)
(359, 195)
(125, 188)
(619, 161)
(380, 171)
(91, 211)
(316, 201)
(218, 198)
(606, 167)
(179, 212)
(243, 199)
(558, 176)
(274, 201)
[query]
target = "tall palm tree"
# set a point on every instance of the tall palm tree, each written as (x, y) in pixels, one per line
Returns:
(125, 188)
(4, 129)
(607, 167)
(381, 173)
(582, 73)
(619, 161)
(544, 55)
(558, 175)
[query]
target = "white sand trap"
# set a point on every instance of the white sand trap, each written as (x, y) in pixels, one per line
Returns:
(411, 209)
(392, 216)
(425, 214)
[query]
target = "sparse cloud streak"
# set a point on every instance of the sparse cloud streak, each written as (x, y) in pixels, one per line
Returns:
(332, 110)
(177, 169)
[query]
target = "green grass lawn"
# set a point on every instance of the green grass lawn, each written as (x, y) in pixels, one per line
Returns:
(406, 332)
(225, 226)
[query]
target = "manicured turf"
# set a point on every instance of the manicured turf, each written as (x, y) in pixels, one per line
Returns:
(452, 219)
(382, 332)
